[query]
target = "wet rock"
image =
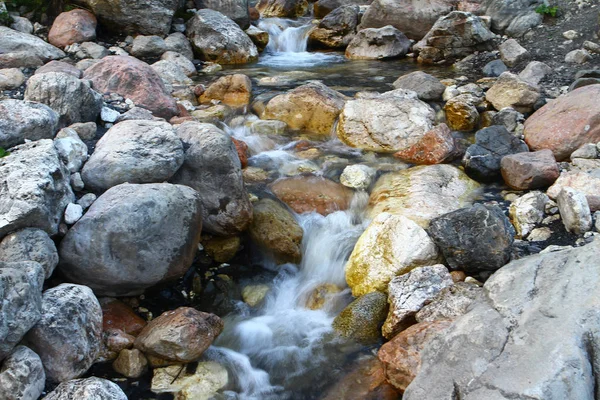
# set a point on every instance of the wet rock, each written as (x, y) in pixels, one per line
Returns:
(401, 356)
(422, 193)
(427, 87)
(226, 208)
(474, 239)
(259, 37)
(527, 211)
(386, 122)
(131, 363)
(586, 183)
(495, 68)
(282, 8)
(68, 336)
(321, 296)
(30, 244)
(312, 107)
(482, 159)
(71, 149)
(20, 120)
(134, 152)
(361, 319)
(451, 302)
(90, 388)
(312, 193)
(525, 171)
(337, 29)
(216, 38)
(222, 249)
(408, 293)
(574, 211)
(180, 335)
(267, 127)
(233, 90)
(118, 315)
(135, 80)
(435, 147)
(17, 42)
(253, 295)
(11, 78)
(148, 46)
(461, 113)
(357, 176)
(237, 10)
(75, 26)
(38, 188)
(511, 91)
(535, 72)
(566, 123)
(22, 376)
(390, 246)
(378, 44)
(188, 67)
(512, 53)
(275, 229)
(201, 383)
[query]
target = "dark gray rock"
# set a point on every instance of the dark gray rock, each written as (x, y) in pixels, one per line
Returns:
(428, 87)
(237, 10)
(30, 244)
(89, 389)
(17, 42)
(482, 159)
(22, 376)
(474, 239)
(494, 68)
(20, 120)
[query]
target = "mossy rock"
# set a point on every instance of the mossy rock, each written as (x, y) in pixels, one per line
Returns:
(362, 318)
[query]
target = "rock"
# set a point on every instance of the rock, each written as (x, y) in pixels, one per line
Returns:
(495, 68)
(265, 127)
(512, 17)
(511, 119)
(499, 339)
(11, 78)
(453, 37)
(566, 123)
(512, 53)
(30, 244)
(474, 239)
(126, 17)
(131, 363)
(386, 122)
(253, 295)
(201, 383)
(435, 147)
(117, 315)
(134, 152)
(109, 115)
(312, 193)
(21, 120)
(427, 87)
(511, 91)
(90, 388)
(179, 43)
(86, 200)
(408, 293)
(17, 42)
(233, 90)
(451, 302)
(75, 26)
(148, 46)
(135, 80)
(282, 8)
(586, 183)
(275, 229)
(21, 24)
(73, 213)
(71, 149)
(535, 72)
(401, 356)
(378, 44)
(587, 151)
(59, 66)
(70, 97)
(216, 38)
(22, 376)
(337, 29)
(414, 19)
(390, 246)
(222, 249)
(357, 176)
(259, 37)
(85, 130)
(461, 113)
(20, 59)
(67, 337)
(237, 10)
(482, 159)
(312, 107)
(366, 381)
(579, 56)
(525, 171)
(226, 208)
(422, 193)
(89, 50)
(36, 188)
(574, 211)
(323, 7)
(188, 67)
(527, 211)
(21, 298)
(361, 319)
(180, 335)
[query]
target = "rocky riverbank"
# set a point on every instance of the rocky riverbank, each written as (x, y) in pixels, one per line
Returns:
(292, 199)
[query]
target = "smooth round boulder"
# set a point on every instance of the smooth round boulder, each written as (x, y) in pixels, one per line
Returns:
(427, 87)
(133, 237)
(75, 26)
(89, 388)
(21, 120)
(26, 46)
(30, 244)
(378, 44)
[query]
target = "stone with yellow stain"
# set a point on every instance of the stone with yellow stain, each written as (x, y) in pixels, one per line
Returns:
(320, 295)
(232, 90)
(461, 113)
(255, 294)
(221, 249)
(202, 384)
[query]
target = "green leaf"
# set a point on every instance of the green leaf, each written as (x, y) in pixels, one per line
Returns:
(3, 153)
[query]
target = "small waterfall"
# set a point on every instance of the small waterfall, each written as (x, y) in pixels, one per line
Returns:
(285, 36)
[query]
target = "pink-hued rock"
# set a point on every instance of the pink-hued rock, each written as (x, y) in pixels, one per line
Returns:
(566, 123)
(133, 79)
(435, 147)
(76, 26)
(524, 171)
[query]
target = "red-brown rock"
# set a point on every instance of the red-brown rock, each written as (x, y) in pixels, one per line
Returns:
(242, 150)
(401, 356)
(76, 26)
(133, 79)
(435, 147)
(565, 124)
(524, 171)
(118, 315)
(59, 66)
(312, 193)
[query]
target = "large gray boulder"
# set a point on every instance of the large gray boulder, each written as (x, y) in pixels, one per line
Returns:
(36, 188)
(71, 98)
(20, 301)
(378, 44)
(22, 376)
(218, 39)
(30, 244)
(237, 10)
(134, 152)
(532, 335)
(16, 42)
(513, 17)
(133, 237)
(212, 167)
(20, 120)
(90, 389)
(68, 336)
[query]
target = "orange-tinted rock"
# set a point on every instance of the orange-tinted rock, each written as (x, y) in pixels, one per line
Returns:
(254, 14)
(76, 26)
(435, 147)
(133, 79)
(312, 193)
(565, 124)
(118, 315)
(232, 90)
(401, 356)
(242, 150)
(524, 171)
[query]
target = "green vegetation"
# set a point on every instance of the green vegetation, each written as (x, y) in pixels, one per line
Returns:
(547, 10)
(3, 153)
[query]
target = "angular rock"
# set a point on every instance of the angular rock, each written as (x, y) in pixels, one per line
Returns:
(20, 59)
(574, 211)
(118, 315)
(535, 72)
(171, 74)
(378, 44)
(75, 26)
(259, 37)
(20, 120)
(312, 193)
(527, 211)
(366, 381)
(71, 149)
(282, 8)
(512, 17)
(578, 56)
(148, 46)
(450, 303)
(131, 363)
(30, 244)
(525, 171)
(89, 388)
(586, 183)
(203, 382)
(179, 43)
(237, 10)
(427, 87)
(361, 319)
(17, 42)
(323, 7)
(232, 90)
(495, 68)
(511, 91)
(22, 376)
(461, 113)
(512, 53)
(337, 29)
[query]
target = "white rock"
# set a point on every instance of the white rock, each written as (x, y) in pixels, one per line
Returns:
(574, 211)
(73, 213)
(539, 234)
(71, 150)
(76, 182)
(22, 24)
(357, 176)
(570, 34)
(11, 78)
(527, 211)
(578, 56)
(208, 378)
(109, 115)
(534, 72)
